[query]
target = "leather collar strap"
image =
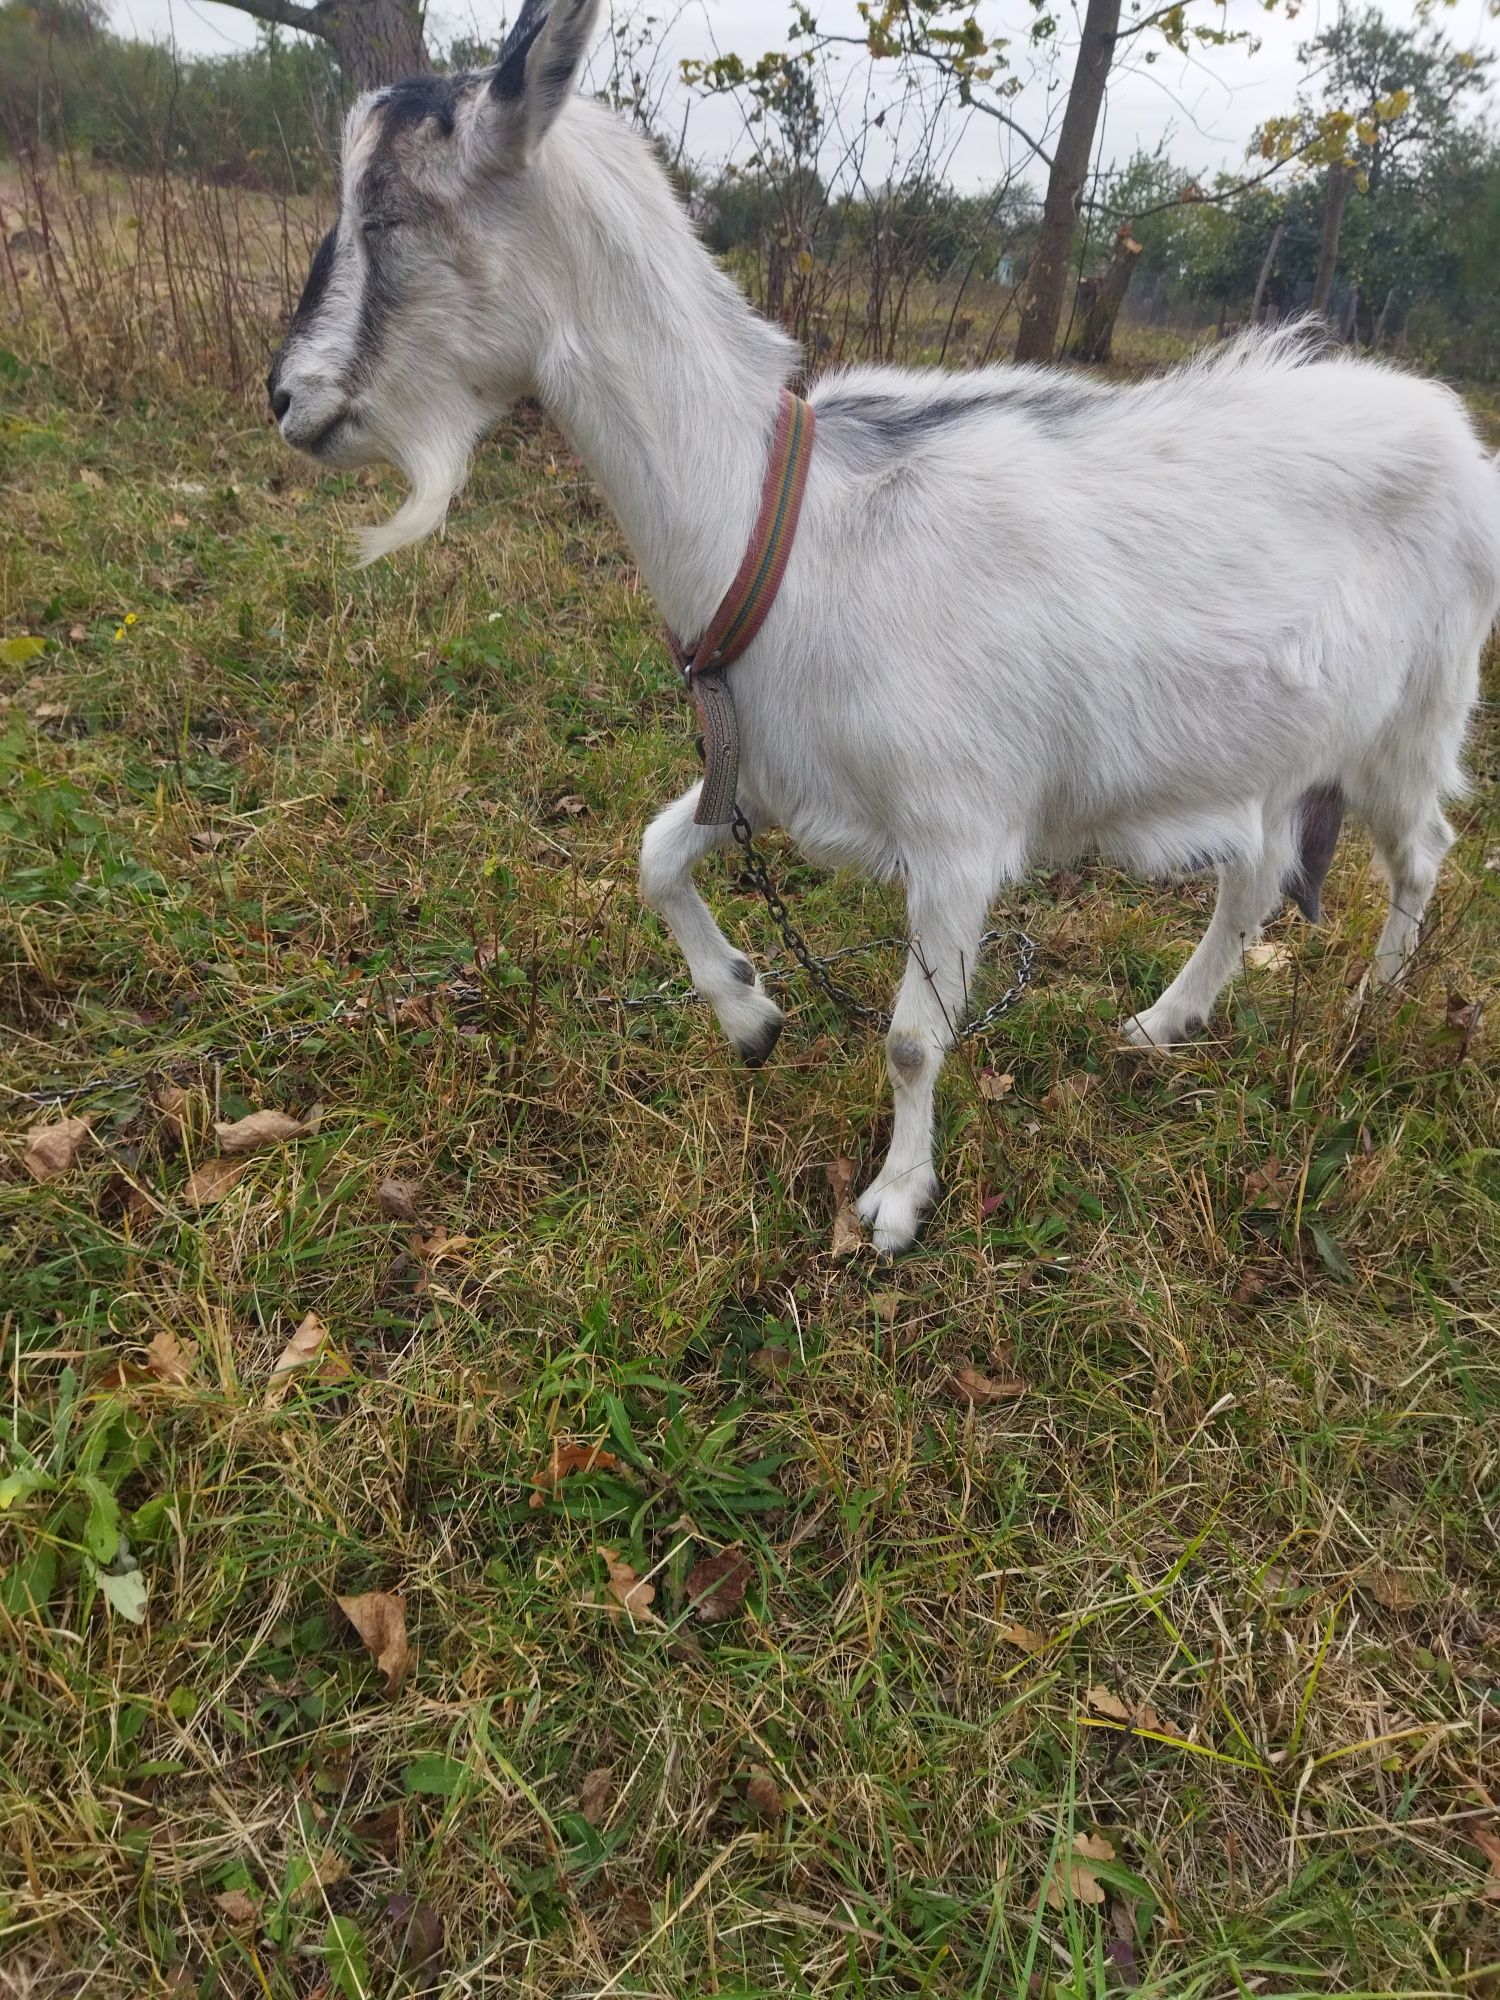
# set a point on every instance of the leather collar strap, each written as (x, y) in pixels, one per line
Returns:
(743, 610)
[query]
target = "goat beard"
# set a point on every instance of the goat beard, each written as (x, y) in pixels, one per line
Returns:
(437, 468)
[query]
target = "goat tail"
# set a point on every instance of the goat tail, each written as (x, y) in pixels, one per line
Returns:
(1319, 815)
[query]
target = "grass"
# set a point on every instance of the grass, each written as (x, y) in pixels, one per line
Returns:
(303, 837)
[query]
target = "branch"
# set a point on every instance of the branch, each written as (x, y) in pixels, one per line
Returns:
(966, 97)
(1203, 200)
(285, 14)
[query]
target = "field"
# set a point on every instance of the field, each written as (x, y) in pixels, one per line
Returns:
(1111, 1593)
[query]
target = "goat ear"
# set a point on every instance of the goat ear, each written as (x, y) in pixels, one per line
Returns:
(536, 72)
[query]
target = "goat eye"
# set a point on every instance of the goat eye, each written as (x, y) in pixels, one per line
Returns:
(375, 225)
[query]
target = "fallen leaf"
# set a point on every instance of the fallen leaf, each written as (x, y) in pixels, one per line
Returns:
(762, 1797)
(78, 633)
(1464, 1016)
(886, 1307)
(976, 1387)
(172, 1103)
(569, 806)
(237, 1906)
(627, 1592)
(1249, 1286)
(1268, 957)
(322, 1874)
(1069, 1091)
(1263, 1180)
(1071, 1881)
(567, 1459)
(398, 1201)
(419, 1931)
(89, 478)
(995, 1087)
(379, 1617)
(1023, 1637)
(597, 1794)
(847, 1234)
(49, 711)
(124, 1591)
(1104, 1703)
(308, 1348)
(1488, 1843)
(260, 1128)
(207, 838)
(51, 1149)
(211, 1181)
(381, 1831)
(169, 1360)
(716, 1586)
(1390, 1588)
(434, 1248)
(635, 1912)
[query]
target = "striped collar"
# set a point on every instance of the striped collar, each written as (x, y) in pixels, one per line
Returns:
(745, 604)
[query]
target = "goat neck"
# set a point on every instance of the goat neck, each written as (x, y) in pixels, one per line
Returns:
(663, 379)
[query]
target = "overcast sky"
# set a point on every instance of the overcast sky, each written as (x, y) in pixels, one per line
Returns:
(1204, 107)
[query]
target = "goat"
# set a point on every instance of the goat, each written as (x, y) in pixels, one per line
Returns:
(1179, 622)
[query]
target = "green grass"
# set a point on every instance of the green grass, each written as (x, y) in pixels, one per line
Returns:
(1250, 1294)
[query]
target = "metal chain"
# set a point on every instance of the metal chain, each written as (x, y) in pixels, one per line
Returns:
(817, 968)
(466, 992)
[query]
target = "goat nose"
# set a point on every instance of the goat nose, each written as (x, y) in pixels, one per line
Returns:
(281, 402)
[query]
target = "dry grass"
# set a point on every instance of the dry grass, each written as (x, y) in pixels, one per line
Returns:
(1249, 1481)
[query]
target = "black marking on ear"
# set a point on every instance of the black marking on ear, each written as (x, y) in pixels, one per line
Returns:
(509, 82)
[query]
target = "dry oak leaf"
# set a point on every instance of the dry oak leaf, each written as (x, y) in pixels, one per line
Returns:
(379, 1617)
(260, 1128)
(237, 1906)
(328, 1869)
(1463, 1016)
(419, 1931)
(398, 1201)
(597, 1794)
(1071, 1880)
(716, 1586)
(169, 1360)
(51, 1149)
(762, 1796)
(172, 1103)
(976, 1387)
(308, 1348)
(1024, 1638)
(211, 1181)
(567, 1459)
(1104, 1703)
(995, 1087)
(627, 1591)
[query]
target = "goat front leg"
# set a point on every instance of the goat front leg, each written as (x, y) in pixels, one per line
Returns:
(945, 918)
(673, 847)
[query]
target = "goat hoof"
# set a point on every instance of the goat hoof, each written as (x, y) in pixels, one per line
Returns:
(755, 1050)
(1157, 1030)
(894, 1211)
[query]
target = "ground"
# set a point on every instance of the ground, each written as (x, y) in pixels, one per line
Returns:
(1119, 1569)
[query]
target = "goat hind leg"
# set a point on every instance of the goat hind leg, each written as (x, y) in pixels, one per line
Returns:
(946, 920)
(1249, 892)
(673, 847)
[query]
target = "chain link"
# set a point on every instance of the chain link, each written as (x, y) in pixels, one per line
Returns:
(466, 992)
(817, 968)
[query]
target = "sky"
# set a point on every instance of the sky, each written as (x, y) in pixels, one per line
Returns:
(1203, 107)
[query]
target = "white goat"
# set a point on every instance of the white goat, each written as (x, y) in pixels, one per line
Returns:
(1178, 622)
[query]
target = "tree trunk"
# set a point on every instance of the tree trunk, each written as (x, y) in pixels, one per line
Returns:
(1101, 298)
(1377, 336)
(1340, 180)
(1349, 323)
(376, 41)
(1267, 265)
(1047, 279)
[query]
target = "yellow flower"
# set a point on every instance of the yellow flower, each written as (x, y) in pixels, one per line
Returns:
(129, 617)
